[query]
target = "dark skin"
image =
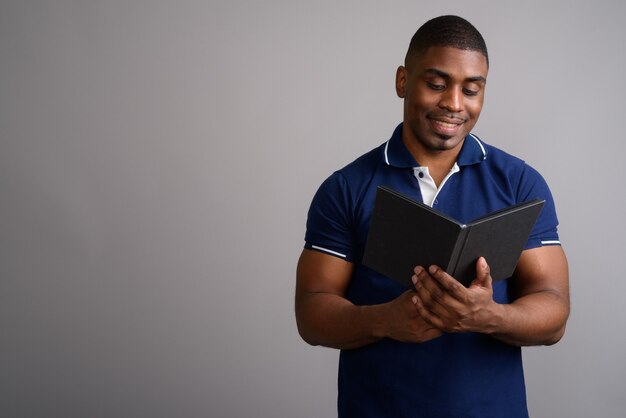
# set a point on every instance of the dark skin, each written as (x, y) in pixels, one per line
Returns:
(443, 92)
(325, 317)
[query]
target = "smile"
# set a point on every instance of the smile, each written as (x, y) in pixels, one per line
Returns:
(446, 124)
(446, 128)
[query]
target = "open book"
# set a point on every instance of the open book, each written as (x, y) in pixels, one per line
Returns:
(405, 233)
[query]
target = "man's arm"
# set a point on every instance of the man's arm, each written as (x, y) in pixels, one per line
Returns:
(536, 317)
(325, 317)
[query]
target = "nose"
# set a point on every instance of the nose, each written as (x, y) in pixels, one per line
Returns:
(452, 99)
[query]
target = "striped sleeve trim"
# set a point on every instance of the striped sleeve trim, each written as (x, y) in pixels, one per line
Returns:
(554, 242)
(326, 250)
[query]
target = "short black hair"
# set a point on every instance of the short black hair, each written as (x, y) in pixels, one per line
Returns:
(449, 30)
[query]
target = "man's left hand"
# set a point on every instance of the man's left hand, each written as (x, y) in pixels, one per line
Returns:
(451, 307)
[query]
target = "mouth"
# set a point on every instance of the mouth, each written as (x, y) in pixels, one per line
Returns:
(446, 126)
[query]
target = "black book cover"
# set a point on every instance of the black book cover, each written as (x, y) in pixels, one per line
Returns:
(405, 233)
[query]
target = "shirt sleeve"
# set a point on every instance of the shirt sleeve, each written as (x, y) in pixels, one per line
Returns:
(329, 226)
(545, 231)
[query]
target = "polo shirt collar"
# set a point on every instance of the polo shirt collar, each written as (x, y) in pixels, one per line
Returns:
(397, 155)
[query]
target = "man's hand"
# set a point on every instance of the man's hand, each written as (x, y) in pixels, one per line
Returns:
(325, 317)
(400, 321)
(449, 306)
(537, 315)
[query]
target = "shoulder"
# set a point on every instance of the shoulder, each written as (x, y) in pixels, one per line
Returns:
(349, 179)
(343, 186)
(497, 157)
(334, 212)
(515, 170)
(524, 182)
(363, 165)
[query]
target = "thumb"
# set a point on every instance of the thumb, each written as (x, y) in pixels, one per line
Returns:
(483, 274)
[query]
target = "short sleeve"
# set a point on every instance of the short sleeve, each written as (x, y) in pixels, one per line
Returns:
(533, 186)
(329, 226)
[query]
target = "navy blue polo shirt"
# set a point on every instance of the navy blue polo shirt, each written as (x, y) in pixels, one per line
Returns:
(455, 375)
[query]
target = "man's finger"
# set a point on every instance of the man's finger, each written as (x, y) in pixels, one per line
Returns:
(452, 286)
(483, 274)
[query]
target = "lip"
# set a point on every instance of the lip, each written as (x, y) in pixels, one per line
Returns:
(446, 126)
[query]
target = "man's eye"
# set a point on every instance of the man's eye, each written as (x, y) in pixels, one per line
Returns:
(469, 92)
(437, 87)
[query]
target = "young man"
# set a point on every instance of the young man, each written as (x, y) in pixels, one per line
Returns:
(440, 349)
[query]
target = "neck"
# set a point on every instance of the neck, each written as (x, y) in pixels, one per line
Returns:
(439, 162)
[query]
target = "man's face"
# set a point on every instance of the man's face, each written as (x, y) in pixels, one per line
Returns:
(443, 92)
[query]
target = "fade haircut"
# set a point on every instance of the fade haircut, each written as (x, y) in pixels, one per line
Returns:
(452, 31)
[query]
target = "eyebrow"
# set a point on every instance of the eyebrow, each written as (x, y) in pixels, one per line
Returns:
(443, 74)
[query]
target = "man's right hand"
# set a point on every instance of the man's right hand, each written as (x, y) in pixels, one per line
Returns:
(399, 320)
(325, 317)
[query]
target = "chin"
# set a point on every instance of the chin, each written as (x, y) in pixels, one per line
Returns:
(445, 143)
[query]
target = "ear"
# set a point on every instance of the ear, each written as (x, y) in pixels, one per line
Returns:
(401, 76)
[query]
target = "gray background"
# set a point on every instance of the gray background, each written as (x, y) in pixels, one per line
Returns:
(157, 160)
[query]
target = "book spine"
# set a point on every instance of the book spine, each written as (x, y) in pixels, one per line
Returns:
(457, 251)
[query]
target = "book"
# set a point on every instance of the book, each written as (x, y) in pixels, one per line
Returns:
(405, 233)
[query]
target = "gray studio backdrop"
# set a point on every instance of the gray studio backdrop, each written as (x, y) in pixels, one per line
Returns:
(157, 159)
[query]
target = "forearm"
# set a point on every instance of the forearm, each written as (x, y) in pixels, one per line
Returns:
(539, 314)
(332, 321)
(325, 317)
(535, 319)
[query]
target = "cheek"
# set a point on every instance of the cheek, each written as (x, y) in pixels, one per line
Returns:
(474, 109)
(422, 103)
(476, 105)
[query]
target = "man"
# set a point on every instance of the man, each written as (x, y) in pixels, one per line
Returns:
(440, 349)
